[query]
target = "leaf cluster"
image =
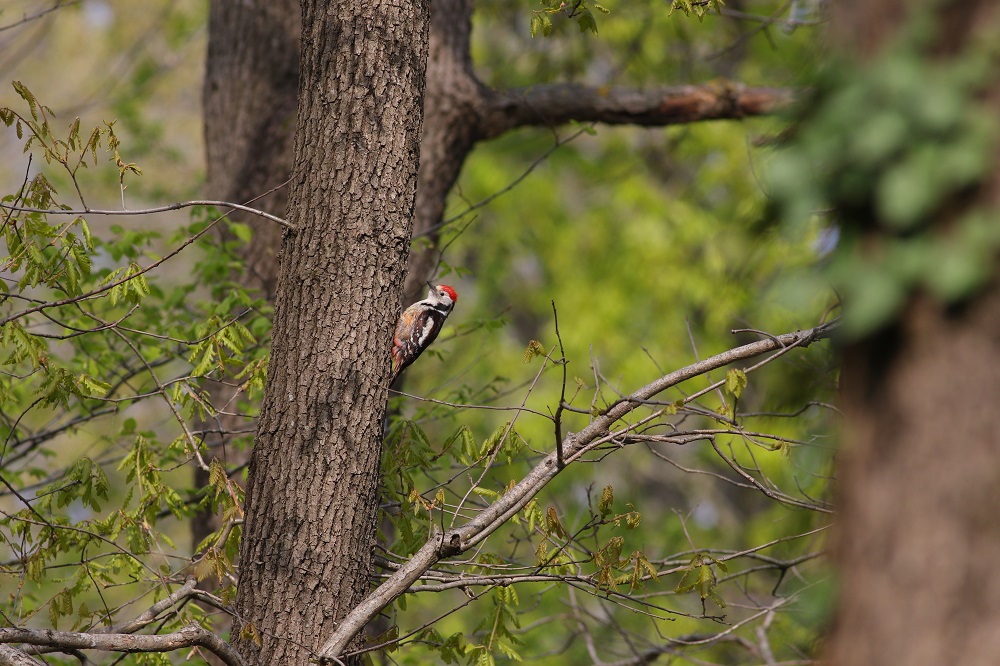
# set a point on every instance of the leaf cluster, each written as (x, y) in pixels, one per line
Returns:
(889, 149)
(577, 10)
(104, 355)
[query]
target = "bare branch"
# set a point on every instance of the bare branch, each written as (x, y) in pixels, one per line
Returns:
(183, 592)
(34, 17)
(190, 636)
(150, 211)
(441, 545)
(559, 103)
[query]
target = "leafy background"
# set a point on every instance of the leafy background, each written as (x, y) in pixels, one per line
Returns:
(652, 244)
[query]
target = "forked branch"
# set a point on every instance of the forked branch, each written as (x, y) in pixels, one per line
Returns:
(457, 540)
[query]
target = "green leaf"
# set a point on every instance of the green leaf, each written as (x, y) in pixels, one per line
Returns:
(542, 553)
(610, 554)
(217, 477)
(536, 26)
(714, 596)
(736, 381)
(491, 442)
(241, 231)
(89, 386)
(552, 524)
(546, 25)
(586, 21)
(534, 350)
(607, 499)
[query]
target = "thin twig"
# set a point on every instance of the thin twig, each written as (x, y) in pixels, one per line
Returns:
(150, 211)
(514, 183)
(562, 395)
(34, 17)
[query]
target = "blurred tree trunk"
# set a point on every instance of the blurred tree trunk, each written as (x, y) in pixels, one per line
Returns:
(306, 552)
(919, 474)
(450, 130)
(249, 102)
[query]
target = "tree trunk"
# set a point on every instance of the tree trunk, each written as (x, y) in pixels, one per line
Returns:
(919, 474)
(249, 104)
(919, 486)
(305, 557)
(451, 129)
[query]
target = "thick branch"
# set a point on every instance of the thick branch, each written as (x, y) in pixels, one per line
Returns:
(458, 540)
(192, 636)
(563, 102)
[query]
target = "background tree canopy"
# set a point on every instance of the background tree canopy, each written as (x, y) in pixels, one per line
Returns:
(620, 449)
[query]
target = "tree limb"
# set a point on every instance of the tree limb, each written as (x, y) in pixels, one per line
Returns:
(190, 636)
(559, 103)
(457, 540)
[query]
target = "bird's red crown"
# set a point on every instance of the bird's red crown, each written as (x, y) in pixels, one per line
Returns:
(450, 291)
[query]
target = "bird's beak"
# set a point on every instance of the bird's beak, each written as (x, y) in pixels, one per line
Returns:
(431, 285)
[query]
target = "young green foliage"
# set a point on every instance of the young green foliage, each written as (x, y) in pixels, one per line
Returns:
(97, 337)
(699, 576)
(581, 11)
(897, 143)
(697, 8)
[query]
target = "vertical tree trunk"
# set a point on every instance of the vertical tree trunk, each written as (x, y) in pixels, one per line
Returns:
(919, 474)
(919, 487)
(305, 557)
(249, 103)
(451, 128)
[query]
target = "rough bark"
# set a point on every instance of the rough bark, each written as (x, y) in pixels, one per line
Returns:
(919, 475)
(10, 656)
(305, 557)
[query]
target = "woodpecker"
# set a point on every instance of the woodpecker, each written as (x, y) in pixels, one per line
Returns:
(419, 325)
